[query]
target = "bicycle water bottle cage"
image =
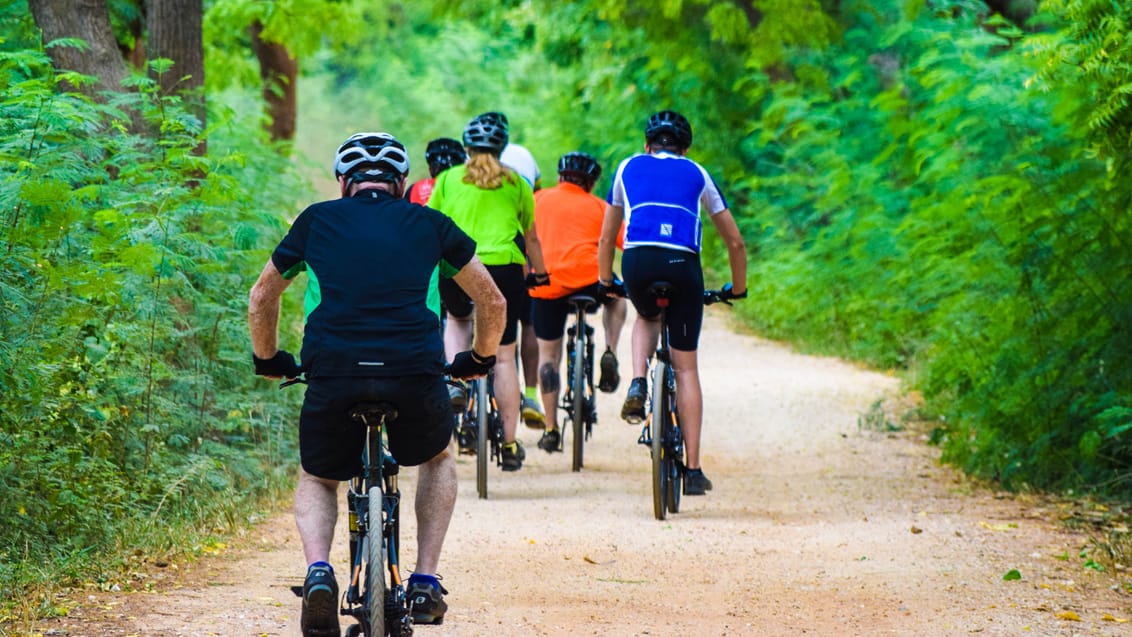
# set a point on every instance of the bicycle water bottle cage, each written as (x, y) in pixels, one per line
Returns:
(371, 413)
(663, 291)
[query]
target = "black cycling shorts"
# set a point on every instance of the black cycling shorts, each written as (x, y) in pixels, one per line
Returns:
(511, 282)
(549, 315)
(330, 443)
(644, 265)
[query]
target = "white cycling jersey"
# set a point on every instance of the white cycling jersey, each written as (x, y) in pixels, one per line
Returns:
(519, 159)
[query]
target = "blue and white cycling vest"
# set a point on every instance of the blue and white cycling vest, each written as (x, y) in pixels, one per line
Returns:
(662, 195)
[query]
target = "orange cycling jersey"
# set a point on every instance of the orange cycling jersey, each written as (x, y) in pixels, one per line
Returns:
(568, 221)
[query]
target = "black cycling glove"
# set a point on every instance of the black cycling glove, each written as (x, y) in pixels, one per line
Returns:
(727, 294)
(282, 365)
(536, 280)
(468, 364)
(614, 289)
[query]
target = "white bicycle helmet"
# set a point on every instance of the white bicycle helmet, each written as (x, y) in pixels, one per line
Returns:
(371, 157)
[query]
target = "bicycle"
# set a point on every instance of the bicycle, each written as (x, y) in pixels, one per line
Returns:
(481, 420)
(375, 596)
(661, 431)
(579, 398)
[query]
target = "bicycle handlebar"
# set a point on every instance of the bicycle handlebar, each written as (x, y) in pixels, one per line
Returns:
(302, 379)
(720, 296)
(293, 381)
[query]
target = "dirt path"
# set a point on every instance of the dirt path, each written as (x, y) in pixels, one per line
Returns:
(815, 527)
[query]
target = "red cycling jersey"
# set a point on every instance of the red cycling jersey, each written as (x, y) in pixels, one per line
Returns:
(420, 191)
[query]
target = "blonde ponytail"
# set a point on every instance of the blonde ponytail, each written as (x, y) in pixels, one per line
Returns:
(485, 171)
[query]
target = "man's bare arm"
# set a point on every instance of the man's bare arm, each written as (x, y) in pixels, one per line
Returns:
(736, 250)
(607, 244)
(263, 311)
(490, 306)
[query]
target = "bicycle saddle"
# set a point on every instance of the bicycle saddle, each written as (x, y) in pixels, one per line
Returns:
(365, 411)
(662, 289)
(584, 300)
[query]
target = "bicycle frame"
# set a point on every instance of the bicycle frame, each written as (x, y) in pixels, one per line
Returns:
(482, 417)
(578, 400)
(374, 500)
(661, 431)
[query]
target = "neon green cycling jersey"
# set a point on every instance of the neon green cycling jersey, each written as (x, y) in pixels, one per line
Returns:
(494, 219)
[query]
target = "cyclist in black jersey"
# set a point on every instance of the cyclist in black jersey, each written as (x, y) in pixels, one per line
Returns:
(372, 333)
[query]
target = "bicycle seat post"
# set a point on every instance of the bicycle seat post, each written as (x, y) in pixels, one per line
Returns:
(663, 291)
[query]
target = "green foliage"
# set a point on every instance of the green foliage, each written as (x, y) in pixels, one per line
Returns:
(126, 394)
(933, 210)
(303, 26)
(1095, 51)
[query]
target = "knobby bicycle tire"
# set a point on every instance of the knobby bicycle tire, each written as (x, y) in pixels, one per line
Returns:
(483, 444)
(375, 569)
(673, 445)
(578, 389)
(657, 416)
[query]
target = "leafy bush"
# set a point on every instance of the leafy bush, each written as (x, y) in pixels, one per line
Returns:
(935, 211)
(127, 399)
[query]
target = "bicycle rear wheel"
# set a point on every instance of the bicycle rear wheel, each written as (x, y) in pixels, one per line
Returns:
(483, 445)
(657, 417)
(578, 391)
(375, 568)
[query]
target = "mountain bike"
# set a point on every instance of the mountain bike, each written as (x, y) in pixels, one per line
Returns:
(479, 428)
(661, 431)
(581, 410)
(375, 596)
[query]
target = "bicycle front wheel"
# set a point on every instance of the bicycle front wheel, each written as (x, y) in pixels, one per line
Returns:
(658, 413)
(578, 390)
(375, 569)
(483, 445)
(673, 476)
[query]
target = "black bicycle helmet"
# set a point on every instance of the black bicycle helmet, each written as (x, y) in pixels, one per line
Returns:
(444, 153)
(486, 133)
(579, 164)
(499, 117)
(371, 157)
(669, 126)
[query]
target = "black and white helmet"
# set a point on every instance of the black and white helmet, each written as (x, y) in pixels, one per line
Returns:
(669, 124)
(444, 153)
(496, 115)
(486, 133)
(582, 165)
(371, 157)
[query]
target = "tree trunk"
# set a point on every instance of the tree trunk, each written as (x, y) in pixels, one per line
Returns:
(279, 70)
(88, 20)
(174, 28)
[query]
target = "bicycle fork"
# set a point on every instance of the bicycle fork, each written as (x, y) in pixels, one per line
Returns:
(362, 530)
(673, 442)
